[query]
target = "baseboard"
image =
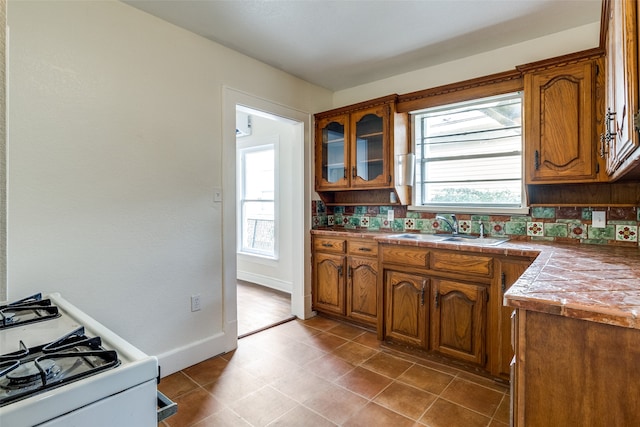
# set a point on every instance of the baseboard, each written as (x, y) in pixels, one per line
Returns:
(195, 352)
(269, 282)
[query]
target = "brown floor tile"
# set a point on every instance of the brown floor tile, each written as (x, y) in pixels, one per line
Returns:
(329, 367)
(268, 368)
(224, 418)
(375, 415)
(208, 371)
(264, 406)
(336, 403)
(487, 382)
(321, 323)
(503, 413)
(354, 353)
(300, 384)
(426, 379)
(369, 339)
(260, 306)
(447, 414)
(386, 364)
(325, 341)
(193, 407)
(297, 330)
(473, 396)
(299, 353)
(233, 387)
(176, 385)
(346, 331)
(495, 423)
(364, 382)
(405, 399)
(301, 416)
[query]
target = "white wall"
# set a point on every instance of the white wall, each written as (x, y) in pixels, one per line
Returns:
(114, 149)
(274, 273)
(3, 152)
(484, 64)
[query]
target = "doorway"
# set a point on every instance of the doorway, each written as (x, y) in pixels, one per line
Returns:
(299, 175)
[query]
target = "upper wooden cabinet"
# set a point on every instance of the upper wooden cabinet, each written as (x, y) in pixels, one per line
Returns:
(620, 19)
(355, 153)
(560, 102)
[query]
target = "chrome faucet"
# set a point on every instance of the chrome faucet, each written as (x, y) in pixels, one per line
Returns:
(453, 224)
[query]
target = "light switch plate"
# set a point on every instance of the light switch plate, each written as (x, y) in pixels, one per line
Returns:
(217, 194)
(599, 219)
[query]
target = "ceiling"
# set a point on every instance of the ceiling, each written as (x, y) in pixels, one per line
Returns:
(339, 44)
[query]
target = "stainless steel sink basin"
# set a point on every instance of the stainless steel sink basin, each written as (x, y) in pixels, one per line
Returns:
(463, 239)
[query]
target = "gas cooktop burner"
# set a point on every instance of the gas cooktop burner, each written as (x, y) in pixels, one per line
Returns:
(69, 358)
(27, 310)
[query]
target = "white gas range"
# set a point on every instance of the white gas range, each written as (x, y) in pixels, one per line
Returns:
(60, 367)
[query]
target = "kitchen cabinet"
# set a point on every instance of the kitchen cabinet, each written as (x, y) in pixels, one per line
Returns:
(510, 270)
(459, 319)
(574, 372)
(561, 97)
(363, 295)
(407, 308)
(329, 269)
(622, 97)
(345, 278)
(355, 152)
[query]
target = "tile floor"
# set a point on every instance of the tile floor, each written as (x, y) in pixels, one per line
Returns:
(321, 372)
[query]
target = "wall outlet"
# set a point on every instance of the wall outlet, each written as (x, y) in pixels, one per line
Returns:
(195, 303)
(390, 215)
(217, 194)
(598, 219)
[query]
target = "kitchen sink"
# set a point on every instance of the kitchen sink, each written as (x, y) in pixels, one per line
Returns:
(464, 239)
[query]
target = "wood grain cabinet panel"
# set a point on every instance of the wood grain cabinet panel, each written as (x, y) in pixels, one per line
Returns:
(362, 289)
(459, 320)
(462, 263)
(329, 271)
(407, 307)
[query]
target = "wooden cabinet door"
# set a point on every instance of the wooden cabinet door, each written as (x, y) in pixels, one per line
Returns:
(622, 82)
(407, 307)
(458, 320)
(362, 289)
(369, 148)
(510, 271)
(329, 282)
(332, 153)
(560, 136)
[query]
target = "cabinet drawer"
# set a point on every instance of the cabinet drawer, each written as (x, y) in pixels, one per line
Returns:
(362, 247)
(405, 255)
(461, 263)
(327, 244)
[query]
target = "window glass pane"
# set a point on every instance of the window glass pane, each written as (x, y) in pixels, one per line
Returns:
(258, 227)
(259, 174)
(470, 153)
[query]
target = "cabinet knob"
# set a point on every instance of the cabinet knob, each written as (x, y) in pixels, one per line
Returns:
(364, 249)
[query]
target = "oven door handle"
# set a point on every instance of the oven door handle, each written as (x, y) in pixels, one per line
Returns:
(166, 407)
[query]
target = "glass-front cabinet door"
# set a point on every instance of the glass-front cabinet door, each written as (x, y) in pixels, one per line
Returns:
(369, 147)
(332, 153)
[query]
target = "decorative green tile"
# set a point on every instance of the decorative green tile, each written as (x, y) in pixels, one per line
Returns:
(516, 228)
(409, 223)
(337, 219)
(535, 229)
(577, 230)
(621, 222)
(421, 224)
(627, 233)
(595, 241)
(521, 219)
(478, 218)
(543, 212)
(555, 230)
(330, 220)
(587, 214)
(464, 226)
(320, 207)
(542, 239)
(414, 215)
(364, 221)
(496, 228)
(398, 224)
(638, 214)
(384, 222)
(315, 222)
(475, 226)
(360, 210)
(385, 209)
(374, 223)
(609, 232)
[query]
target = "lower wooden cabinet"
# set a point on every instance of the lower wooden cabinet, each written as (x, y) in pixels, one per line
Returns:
(458, 320)
(407, 307)
(329, 291)
(362, 289)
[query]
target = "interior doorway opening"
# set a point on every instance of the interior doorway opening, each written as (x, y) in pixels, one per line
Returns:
(266, 204)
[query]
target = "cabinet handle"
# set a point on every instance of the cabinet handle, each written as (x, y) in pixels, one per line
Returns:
(340, 271)
(327, 245)
(503, 282)
(349, 271)
(422, 294)
(353, 172)
(437, 299)
(536, 159)
(345, 173)
(365, 249)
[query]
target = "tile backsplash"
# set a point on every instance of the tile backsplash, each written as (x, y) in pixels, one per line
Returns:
(562, 224)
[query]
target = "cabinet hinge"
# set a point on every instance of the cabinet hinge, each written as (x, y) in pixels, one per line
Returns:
(503, 282)
(597, 69)
(389, 179)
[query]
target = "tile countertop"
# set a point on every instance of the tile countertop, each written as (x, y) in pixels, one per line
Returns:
(589, 282)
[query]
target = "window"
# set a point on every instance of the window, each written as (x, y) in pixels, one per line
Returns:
(257, 200)
(469, 156)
